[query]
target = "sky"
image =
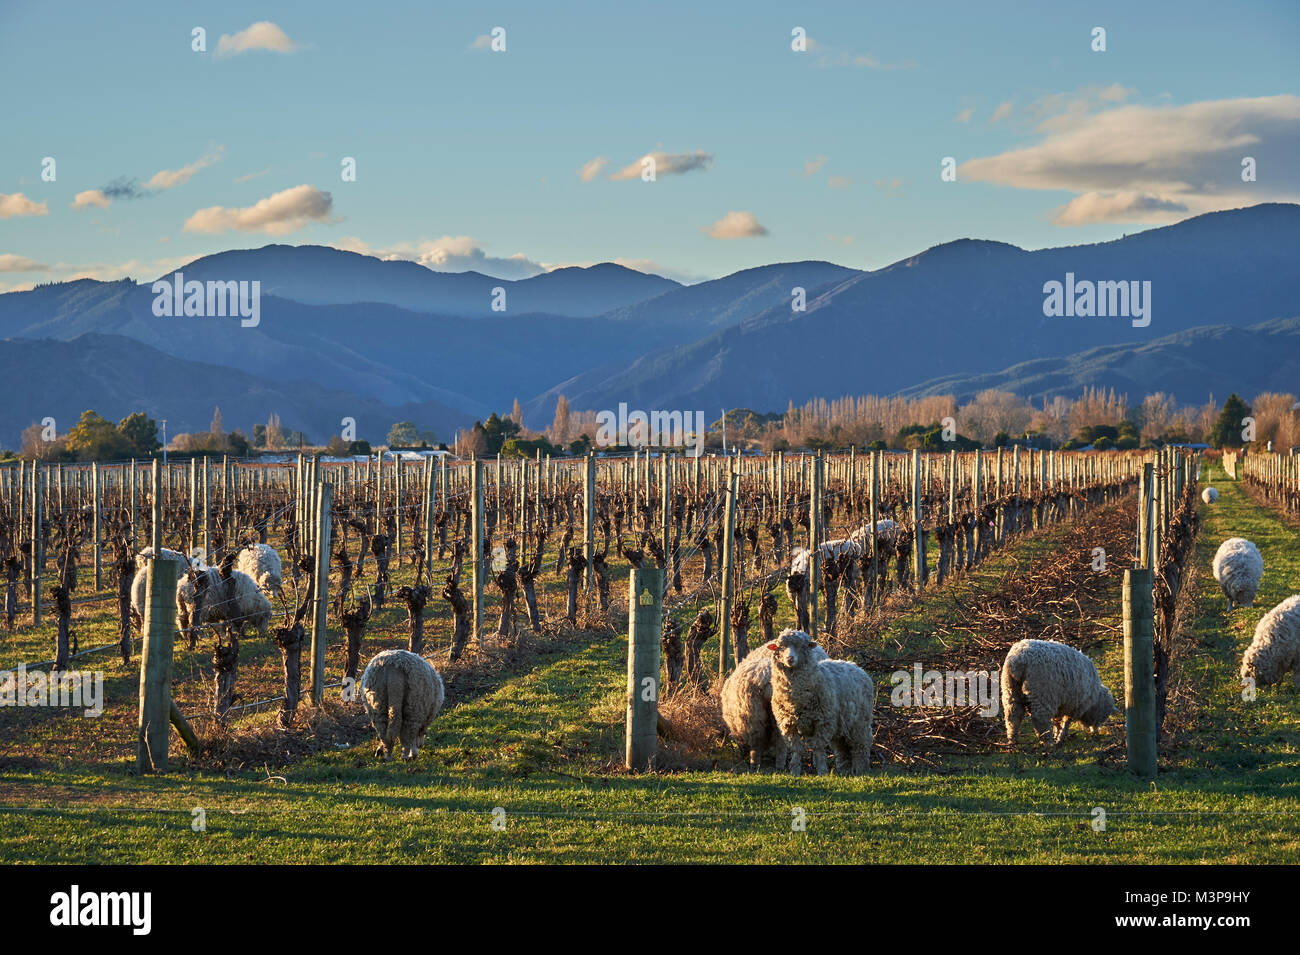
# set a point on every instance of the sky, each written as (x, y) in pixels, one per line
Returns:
(520, 160)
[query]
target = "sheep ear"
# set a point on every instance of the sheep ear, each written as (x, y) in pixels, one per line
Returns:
(812, 643)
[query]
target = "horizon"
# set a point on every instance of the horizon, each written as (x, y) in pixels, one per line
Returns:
(782, 179)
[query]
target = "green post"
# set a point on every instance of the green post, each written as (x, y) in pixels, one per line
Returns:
(156, 667)
(644, 626)
(1139, 672)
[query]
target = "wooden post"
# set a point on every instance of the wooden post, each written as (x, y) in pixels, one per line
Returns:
(644, 627)
(134, 537)
(476, 546)
(665, 517)
(918, 525)
(207, 510)
(38, 545)
(156, 667)
(95, 527)
(1139, 672)
(814, 540)
(976, 478)
(875, 516)
(1144, 517)
(728, 573)
(589, 515)
(319, 634)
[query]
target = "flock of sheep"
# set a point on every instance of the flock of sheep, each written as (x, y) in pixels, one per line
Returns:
(789, 696)
(785, 697)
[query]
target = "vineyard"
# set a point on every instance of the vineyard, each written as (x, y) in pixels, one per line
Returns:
(511, 579)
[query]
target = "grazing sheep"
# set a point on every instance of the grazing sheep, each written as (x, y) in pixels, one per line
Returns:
(1055, 683)
(821, 704)
(1275, 650)
(885, 531)
(1238, 568)
(402, 693)
(1210, 495)
(747, 708)
(262, 563)
(141, 580)
(235, 600)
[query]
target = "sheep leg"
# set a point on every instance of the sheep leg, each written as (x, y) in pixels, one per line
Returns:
(1065, 728)
(819, 756)
(1013, 716)
(796, 756)
(1042, 726)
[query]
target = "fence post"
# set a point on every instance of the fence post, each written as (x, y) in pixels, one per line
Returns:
(38, 545)
(589, 515)
(644, 626)
(319, 634)
(156, 666)
(728, 572)
(814, 541)
(476, 545)
(918, 525)
(155, 508)
(95, 529)
(1139, 672)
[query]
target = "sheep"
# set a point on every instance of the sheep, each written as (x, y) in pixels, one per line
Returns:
(262, 563)
(885, 531)
(236, 600)
(141, 580)
(1055, 683)
(1238, 568)
(402, 693)
(1210, 495)
(821, 704)
(1276, 647)
(747, 708)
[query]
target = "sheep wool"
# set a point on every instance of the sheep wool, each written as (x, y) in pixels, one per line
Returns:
(1055, 683)
(262, 563)
(821, 704)
(236, 600)
(1238, 568)
(402, 693)
(1275, 651)
(1210, 495)
(747, 708)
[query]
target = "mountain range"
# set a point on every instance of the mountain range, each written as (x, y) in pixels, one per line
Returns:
(347, 335)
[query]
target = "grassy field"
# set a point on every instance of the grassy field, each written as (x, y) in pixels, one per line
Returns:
(524, 768)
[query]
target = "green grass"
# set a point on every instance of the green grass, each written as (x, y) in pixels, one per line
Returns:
(545, 743)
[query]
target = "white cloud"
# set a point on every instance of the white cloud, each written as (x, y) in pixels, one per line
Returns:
(16, 204)
(839, 182)
(965, 115)
(169, 178)
(1157, 164)
(666, 164)
(91, 199)
(888, 185)
(279, 214)
(813, 166)
(263, 35)
(1001, 113)
(842, 239)
(735, 225)
(252, 175)
(449, 253)
(17, 263)
(591, 168)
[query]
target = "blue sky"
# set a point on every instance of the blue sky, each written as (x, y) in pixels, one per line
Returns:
(471, 158)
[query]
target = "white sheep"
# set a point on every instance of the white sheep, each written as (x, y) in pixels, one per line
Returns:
(821, 704)
(1055, 683)
(1275, 650)
(1238, 568)
(747, 708)
(140, 582)
(235, 600)
(885, 531)
(402, 693)
(1210, 495)
(262, 563)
